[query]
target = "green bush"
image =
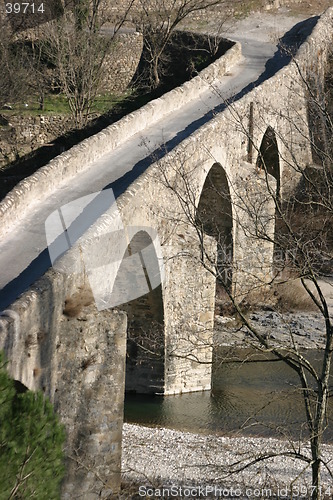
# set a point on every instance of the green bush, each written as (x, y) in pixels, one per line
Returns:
(31, 442)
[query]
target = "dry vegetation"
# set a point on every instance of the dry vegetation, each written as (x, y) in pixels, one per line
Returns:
(310, 8)
(282, 296)
(75, 303)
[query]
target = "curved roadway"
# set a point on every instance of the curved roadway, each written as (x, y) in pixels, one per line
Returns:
(23, 252)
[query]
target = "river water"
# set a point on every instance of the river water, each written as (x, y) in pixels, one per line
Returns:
(257, 398)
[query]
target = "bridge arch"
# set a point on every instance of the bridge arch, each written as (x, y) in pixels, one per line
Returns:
(141, 270)
(214, 217)
(268, 157)
(269, 161)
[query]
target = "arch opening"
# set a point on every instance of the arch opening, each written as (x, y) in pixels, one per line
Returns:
(268, 157)
(145, 318)
(214, 217)
(268, 161)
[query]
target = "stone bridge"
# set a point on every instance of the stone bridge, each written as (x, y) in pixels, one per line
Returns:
(132, 273)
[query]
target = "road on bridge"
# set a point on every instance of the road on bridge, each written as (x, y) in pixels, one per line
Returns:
(23, 252)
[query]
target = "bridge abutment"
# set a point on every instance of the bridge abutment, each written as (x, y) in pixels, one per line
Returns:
(57, 342)
(90, 400)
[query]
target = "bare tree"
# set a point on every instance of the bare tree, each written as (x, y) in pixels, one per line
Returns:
(298, 226)
(77, 48)
(157, 20)
(15, 71)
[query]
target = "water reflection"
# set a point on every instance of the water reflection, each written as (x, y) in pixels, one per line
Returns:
(257, 398)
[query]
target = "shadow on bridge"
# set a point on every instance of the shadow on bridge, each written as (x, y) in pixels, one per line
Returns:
(287, 47)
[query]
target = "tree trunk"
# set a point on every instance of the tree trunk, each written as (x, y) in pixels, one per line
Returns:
(41, 101)
(316, 478)
(319, 424)
(155, 75)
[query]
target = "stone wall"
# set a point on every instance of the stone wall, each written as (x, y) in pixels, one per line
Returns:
(120, 66)
(23, 134)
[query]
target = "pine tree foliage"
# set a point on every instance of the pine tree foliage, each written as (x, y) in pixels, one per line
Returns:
(31, 442)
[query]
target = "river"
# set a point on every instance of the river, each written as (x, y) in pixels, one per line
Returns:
(257, 398)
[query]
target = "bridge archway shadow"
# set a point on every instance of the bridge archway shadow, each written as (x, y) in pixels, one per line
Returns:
(145, 320)
(19, 387)
(268, 157)
(214, 218)
(268, 161)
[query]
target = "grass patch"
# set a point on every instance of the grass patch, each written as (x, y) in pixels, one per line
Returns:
(291, 296)
(53, 104)
(244, 9)
(283, 296)
(57, 104)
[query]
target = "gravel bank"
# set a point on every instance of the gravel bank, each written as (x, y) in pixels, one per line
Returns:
(306, 329)
(160, 457)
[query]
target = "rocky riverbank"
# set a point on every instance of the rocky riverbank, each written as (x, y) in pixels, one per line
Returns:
(293, 320)
(154, 458)
(306, 329)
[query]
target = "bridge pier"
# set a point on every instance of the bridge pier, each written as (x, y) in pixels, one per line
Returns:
(189, 302)
(253, 231)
